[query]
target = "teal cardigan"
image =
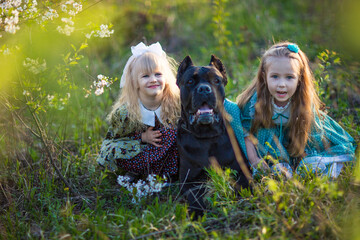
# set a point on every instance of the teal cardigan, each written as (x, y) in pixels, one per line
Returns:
(328, 141)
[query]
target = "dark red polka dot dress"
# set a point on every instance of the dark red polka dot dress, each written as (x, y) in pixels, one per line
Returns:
(157, 160)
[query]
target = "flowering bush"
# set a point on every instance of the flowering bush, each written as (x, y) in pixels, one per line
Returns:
(60, 16)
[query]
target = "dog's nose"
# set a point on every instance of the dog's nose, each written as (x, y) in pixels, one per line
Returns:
(204, 89)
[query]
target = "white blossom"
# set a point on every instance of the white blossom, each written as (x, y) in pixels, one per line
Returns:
(71, 7)
(50, 97)
(50, 14)
(16, 3)
(11, 10)
(11, 22)
(67, 30)
(143, 188)
(88, 35)
(67, 21)
(32, 10)
(102, 81)
(72, 13)
(6, 51)
(77, 7)
(63, 7)
(102, 33)
(99, 91)
(34, 66)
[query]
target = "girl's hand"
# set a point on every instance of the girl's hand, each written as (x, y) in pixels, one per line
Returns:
(254, 159)
(152, 137)
(259, 163)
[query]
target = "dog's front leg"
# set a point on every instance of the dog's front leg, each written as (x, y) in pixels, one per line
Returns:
(195, 197)
(193, 187)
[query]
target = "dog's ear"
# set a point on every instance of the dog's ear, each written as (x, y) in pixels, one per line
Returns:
(187, 62)
(216, 62)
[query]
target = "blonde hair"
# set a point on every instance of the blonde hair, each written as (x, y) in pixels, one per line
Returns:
(129, 95)
(305, 100)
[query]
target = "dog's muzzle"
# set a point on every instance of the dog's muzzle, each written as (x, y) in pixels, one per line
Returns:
(204, 115)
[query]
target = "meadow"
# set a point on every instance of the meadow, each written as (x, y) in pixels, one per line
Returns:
(60, 67)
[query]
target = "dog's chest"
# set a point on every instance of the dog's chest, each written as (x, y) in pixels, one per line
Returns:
(198, 151)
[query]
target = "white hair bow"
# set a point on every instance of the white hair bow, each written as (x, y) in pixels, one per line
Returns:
(137, 51)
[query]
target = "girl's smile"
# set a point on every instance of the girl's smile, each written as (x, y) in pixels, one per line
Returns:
(282, 77)
(151, 84)
(154, 86)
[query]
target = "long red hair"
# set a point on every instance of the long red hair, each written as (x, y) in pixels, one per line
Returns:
(305, 101)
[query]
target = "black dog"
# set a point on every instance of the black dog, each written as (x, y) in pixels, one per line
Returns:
(201, 130)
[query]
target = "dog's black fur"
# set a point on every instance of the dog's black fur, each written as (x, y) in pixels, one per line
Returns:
(201, 130)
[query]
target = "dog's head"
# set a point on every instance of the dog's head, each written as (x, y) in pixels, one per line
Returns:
(202, 92)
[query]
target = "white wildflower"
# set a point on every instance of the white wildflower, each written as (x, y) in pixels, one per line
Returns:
(6, 51)
(72, 13)
(51, 14)
(67, 30)
(77, 7)
(34, 66)
(99, 85)
(11, 28)
(11, 22)
(33, 9)
(48, 15)
(99, 91)
(103, 32)
(67, 21)
(50, 97)
(88, 35)
(102, 82)
(71, 7)
(143, 188)
(16, 3)
(63, 8)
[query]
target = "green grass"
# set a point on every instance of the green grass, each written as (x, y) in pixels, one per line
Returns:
(303, 207)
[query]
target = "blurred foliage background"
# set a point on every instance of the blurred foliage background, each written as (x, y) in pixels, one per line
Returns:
(50, 117)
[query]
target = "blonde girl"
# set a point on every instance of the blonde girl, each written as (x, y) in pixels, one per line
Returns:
(142, 135)
(281, 112)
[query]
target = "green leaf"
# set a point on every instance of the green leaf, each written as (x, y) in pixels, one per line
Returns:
(73, 47)
(83, 46)
(337, 61)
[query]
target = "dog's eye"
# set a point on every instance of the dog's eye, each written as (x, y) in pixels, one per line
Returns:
(217, 81)
(190, 81)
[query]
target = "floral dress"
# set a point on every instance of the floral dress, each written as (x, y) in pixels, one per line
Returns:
(328, 147)
(122, 147)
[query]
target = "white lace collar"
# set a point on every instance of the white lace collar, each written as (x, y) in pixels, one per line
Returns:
(278, 109)
(281, 115)
(148, 116)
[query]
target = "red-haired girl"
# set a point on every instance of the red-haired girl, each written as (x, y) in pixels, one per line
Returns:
(281, 109)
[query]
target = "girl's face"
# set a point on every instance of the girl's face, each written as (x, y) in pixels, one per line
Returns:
(282, 77)
(151, 84)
